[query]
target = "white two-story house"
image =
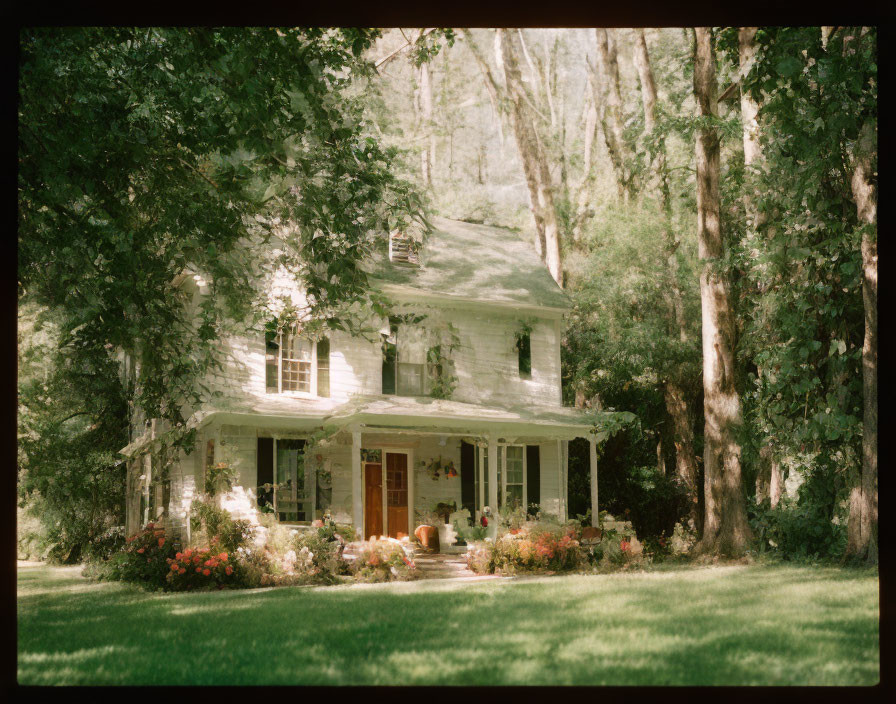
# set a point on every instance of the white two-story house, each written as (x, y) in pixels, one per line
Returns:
(456, 399)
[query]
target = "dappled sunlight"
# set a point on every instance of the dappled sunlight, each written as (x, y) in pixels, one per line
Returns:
(716, 625)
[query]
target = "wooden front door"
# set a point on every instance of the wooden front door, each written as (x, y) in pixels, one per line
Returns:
(397, 494)
(373, 500)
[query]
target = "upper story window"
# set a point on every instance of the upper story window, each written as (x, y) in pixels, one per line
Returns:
(408, 366)
(524, 354)
(294, 364)
(403, 248)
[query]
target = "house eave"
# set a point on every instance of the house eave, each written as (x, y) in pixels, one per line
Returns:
(411, 294)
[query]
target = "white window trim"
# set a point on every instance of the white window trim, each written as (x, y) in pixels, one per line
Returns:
(312, 393)
(482, 456)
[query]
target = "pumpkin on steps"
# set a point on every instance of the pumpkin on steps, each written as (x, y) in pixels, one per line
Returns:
(428, 536)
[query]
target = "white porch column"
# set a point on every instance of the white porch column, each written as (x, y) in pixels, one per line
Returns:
(592, 452)
(493, 474)
(564, 508)
(357, 483)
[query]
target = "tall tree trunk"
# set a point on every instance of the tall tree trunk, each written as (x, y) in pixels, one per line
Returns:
(677, 404)
(725, 527)
(583, 200)
(533, 158)
(428, 153)
(683, 436)
(769, 480)
(862, 526)
(610, 100)
(491, 85)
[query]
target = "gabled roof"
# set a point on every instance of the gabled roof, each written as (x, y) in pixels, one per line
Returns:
(475, 262)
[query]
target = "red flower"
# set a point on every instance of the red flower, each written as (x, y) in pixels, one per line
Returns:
(206, 572)
(222, 556)
(198, 569)
(174, 565)
(483, 521)
(179, 555)
(181, 570)
(188, 552)
(228, 570)
(624, 546)
(161, 542)
(141, 550)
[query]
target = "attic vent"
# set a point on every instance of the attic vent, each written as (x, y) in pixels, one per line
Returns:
(403, 248)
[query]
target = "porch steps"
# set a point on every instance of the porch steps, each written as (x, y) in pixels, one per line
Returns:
(443, 566)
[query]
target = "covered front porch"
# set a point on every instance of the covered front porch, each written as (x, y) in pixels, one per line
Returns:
(401, 462)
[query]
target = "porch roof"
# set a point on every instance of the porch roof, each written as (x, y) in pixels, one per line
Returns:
(407, 413)
(428, 414)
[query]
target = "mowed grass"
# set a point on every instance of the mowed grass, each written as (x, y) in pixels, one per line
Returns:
(728, 625)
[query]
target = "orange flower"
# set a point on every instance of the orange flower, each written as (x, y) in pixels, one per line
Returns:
(181, 570)
(228, 570)
(141, 550)
(161, 542)
(206, 572)
(209, 563)
(179, 555)
(222, 556)
(198, 569)
(188, 552)
(174, 565)
(197, 560)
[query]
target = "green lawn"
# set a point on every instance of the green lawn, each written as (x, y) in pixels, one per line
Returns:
(732, 625)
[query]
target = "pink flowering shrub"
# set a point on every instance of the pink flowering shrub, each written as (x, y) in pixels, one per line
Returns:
(143, 560)
(529, 550)
(383, 561)
(197, 568)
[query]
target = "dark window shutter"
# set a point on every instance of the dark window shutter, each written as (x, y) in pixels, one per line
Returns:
(533, 474)
(265, 470)
(468, 477)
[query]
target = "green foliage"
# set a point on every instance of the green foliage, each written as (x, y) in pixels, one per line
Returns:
(143, 561)
(220, 527)
(219, 478)
(798, 272)
(810, 526)
(324, 552)
(653, 502)
(71, 408)
(145, 153)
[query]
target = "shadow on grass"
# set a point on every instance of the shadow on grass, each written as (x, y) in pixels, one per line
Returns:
(730, 625)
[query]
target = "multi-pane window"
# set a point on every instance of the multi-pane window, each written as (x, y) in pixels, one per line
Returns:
(511, 476)
(295, 364)
(407, 370)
